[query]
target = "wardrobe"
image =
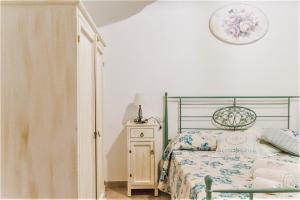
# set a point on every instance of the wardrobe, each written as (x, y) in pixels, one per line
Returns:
(51, 101)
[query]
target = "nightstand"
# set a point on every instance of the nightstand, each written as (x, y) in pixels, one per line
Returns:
(142, 161)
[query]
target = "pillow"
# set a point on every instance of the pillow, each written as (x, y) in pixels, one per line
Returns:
(205, 132)
(258, 131)
(236, 143)
(283, 139)
(267, 149)
(290, 132)
(200, 142)
(264, 147)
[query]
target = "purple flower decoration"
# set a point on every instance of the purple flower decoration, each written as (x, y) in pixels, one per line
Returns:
(240, 23)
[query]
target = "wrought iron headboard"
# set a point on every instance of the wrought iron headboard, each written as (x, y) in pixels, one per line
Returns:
(232, 117)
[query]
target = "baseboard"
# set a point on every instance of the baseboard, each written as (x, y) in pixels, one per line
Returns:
(114, 184)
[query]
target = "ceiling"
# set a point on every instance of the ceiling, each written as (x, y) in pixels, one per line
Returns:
(108, 12)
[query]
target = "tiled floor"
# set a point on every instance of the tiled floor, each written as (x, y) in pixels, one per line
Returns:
(121, 193)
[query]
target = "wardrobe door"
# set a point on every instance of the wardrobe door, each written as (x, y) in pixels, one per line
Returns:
(86, 112)
(99, 126)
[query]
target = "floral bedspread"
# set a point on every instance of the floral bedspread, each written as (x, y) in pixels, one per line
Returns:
(183, 173)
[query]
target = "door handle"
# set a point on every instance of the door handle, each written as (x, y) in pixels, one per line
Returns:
(98, 133)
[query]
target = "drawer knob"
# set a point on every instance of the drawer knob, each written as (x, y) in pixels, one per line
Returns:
(142, 135)
(152, 152)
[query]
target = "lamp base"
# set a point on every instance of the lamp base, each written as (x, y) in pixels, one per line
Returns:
(140, 121)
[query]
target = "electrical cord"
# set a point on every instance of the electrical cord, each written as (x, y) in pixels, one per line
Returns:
(160, 126)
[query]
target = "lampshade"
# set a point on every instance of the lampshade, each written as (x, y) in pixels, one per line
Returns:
(139, 99)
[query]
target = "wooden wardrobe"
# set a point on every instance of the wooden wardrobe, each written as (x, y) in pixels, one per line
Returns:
(51, 101)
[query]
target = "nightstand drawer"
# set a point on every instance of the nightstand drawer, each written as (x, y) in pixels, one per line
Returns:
(142, 133)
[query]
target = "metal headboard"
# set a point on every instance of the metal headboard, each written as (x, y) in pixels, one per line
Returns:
(249, 116)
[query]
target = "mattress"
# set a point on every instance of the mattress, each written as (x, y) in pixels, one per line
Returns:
(187, 170)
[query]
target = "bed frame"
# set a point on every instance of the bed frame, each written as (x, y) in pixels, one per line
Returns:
(233, 107)
(208, 183)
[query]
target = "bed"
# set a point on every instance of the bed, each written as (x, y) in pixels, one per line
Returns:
(204, 174)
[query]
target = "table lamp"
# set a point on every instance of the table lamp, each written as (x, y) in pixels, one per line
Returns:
(139, 101)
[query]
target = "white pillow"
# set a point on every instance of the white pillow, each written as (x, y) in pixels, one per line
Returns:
(282, 139)
(237, 143)
(267, 148)
(291, 133)
(267, 143)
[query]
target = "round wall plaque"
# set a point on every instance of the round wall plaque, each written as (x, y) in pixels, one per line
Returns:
(238, 24)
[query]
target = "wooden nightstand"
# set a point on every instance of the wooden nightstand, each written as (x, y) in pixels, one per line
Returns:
(142, 162)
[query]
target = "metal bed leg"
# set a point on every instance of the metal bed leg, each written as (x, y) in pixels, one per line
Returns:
(208, 182)
(251, 196)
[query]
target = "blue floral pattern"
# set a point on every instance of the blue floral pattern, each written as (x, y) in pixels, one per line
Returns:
(190, 140)
(186, 139)
(183, 172)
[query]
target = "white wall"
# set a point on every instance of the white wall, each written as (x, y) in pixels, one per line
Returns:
(168, 47)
